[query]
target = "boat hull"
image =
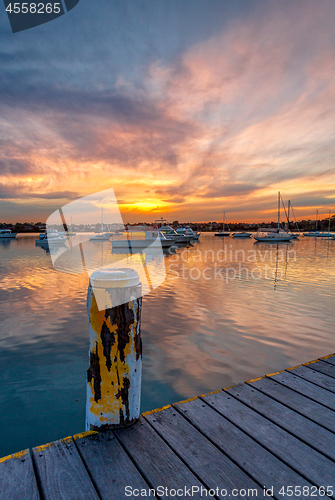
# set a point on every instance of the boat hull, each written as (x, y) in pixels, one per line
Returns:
(244, 235)
(8, 235)
(135, 244)
(222, 234)
(274, 239)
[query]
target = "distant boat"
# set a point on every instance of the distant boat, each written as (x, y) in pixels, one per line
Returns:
(101, 236)
(242, 235)
(223, 232)
(315, 233)
(153, 238)
(51, 237)
(271, 235)
(7, 233)
(289, 205)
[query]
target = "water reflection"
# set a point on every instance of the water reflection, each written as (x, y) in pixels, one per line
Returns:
(227, 311)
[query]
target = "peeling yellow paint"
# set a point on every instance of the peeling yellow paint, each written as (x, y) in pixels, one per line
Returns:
(108, 407)
(19, 454)
(185, 401)
(43, 447)
(83, 435)
(156, 410)
(293, 368)
(274, 373)
(210, 393)
(310, 362)
(67, 440)
(229, 387)
(327, 357)
(253, 380)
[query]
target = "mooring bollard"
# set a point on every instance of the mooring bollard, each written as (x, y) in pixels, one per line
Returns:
(114, 375)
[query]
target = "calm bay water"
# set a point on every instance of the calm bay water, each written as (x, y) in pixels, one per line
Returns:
(229, 310)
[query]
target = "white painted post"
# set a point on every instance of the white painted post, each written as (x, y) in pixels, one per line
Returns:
(114, 376)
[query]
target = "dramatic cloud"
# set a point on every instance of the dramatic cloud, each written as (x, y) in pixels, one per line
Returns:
(183, 113)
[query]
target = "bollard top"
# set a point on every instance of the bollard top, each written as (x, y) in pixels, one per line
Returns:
(109, 277)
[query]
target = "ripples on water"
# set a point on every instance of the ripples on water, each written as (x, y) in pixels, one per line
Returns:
(201, 330)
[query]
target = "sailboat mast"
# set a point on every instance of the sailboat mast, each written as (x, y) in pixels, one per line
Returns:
(224, 218)
(102, 220)
(316, 220)
(278, 210)
(288, 214)
(329, 224)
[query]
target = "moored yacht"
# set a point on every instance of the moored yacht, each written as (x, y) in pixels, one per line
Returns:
(7, 233)
(272, 235)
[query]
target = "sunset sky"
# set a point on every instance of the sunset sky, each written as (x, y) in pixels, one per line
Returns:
(185, 108)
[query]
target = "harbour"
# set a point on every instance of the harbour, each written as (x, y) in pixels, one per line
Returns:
(263, 438)
(198, 333)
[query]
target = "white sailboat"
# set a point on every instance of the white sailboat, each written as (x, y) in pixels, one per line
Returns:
(272, 235)
(102, 236)
(223, 232)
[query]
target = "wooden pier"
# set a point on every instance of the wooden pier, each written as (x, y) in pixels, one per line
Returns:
(276, 432)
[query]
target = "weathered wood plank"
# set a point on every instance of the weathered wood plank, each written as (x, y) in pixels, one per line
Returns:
(61, 472)
(301, 386)
(17, 477)
(301, 427)
(315, 377)
(108, 464)
(159, 465)
(304, 460)
(201, 456)
(323, 367)
(329, 359)
(260, 464)
(300, 404)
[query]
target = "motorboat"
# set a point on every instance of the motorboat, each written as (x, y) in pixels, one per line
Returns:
(153, 238)
(242, 235)
(223, 232)
(7, 233)
(273, 235)
(51, 237)
(171, 234)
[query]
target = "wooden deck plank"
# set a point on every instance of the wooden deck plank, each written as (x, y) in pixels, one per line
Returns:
(306, 388)
(299, 404)
(304, 460)
(254, 459)
(17, 477)
(203, 458)
(329, 359)
(315, 377)
(61, 473)
(323, 367)
(159, 465)
(300, 426)
(108, 464)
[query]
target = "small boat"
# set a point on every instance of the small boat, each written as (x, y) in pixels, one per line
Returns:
(153, 238)
(7, 233)
(51, 237)
(178, 235)
(315, 233)
(242, 235)
(272, 235)
(223, 232)
(101, 236)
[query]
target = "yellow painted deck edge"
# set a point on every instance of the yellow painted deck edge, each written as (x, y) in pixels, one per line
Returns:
(19, 454)
(83, 435)
(156, 410)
